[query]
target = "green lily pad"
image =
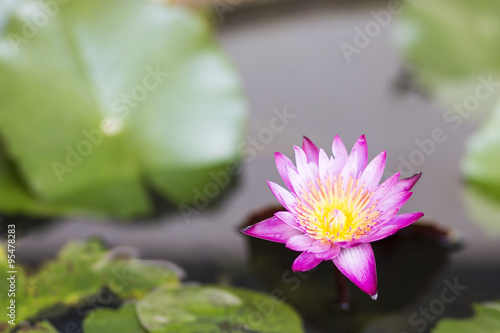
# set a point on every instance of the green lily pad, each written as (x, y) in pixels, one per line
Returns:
(481, 170)
(65, 280)
(81, 270)
(14, 197)
(123, 320)
(482, 156)
(449, 43)
(483, 210)
(102, 95)
(486, 319)
(129, 277)
(215, 309)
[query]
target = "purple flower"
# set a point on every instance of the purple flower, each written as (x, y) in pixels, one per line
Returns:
(335, 207)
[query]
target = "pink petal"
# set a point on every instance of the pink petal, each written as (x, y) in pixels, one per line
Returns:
(300, 160)
(394, 225)
(325, 166)
(360, 149)
(329, 254)
(385, 187)
(405, 184)
(305, 170)
(272, 229)
(340, 153)
(358, 264)
(373, 173)
(356, 162)
(284, 165)
(299, 243)
(319, 246)
(300, 185)
(284, 197)
(394, 202)
(387, 215)
(312, 152)
(305, 261)
(289, 219)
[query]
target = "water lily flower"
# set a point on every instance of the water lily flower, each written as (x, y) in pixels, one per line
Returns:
(335, 207)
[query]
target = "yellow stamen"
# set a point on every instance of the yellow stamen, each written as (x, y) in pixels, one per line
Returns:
(336, 211)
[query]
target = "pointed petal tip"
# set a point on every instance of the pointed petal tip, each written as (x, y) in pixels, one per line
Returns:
(244, 230)
(358, 265)
(416, 176)
(271, 229)
(298, 149)
(374, 296)
(310, 149)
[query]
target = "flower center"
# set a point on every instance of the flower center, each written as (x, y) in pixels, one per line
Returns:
(336, 211)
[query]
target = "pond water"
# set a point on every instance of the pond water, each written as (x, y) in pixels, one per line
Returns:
(298, 82)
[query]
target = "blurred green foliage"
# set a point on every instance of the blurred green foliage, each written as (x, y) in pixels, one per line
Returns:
(486, 319)
(482, 209)
(123, 320)
(481, 169)
(102, 99)
(215, 309)
(482, 161)
(449, 43)
(82, 269)
(153, 298)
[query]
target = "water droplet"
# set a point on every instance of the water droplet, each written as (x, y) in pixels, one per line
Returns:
(277, 235)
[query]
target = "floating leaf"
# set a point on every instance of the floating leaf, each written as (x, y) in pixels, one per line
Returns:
(482, 209)
(14, 197)
(481, 164)
(216, 309)
(129, 277)
(184, 305)
(80, 270)
(65, 280)
(99, 95)
(481, 170)
(123, 320)
(486, 319)
(450, 43)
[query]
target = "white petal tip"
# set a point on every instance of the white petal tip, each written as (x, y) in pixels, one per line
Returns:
(374, 297)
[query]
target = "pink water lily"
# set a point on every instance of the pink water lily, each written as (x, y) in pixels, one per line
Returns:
(335, 207)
